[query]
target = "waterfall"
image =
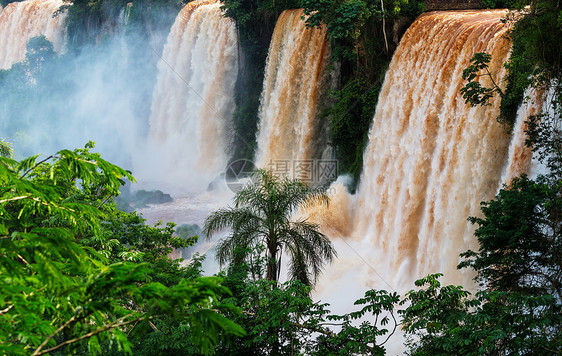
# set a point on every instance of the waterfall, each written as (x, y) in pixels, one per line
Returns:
(431, 159)
(295, 77)
(193, 100)
(20, 21)
(520, 155)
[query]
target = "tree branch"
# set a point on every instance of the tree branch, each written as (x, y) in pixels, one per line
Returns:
(61, 328)
(113, 325)
(36, 200)
(4, 311)
(14, 199)
(104, 201)
(393, 330)
(496, 87)
(36, 165)
(384, 27)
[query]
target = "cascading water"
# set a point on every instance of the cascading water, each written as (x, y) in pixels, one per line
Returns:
(431, 158)
(430, 161)
(20, 21)
(520, 155)
(193, 100)
(294, 78)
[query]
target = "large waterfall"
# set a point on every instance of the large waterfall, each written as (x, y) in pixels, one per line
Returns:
(20, 21)
(193, 101)
(431, 158)
(294, 78)
(430, 161)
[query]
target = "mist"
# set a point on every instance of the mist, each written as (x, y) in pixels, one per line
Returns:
(107, 92)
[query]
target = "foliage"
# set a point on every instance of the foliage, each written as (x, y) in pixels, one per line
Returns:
(38, 50)
(278, 319)
(375, 317)
(358, 28)
(443, 320)
(59, 289)
(520, 239)
(519, 261)
(255, 21)
(6, 149)
(347, 19)
(535, 59)
(361, 43)
(262, 214)
(283, 319)
(350, 119)
(18, 80)
(473, 92)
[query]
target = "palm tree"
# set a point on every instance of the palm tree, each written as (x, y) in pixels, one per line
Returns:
(261, 215)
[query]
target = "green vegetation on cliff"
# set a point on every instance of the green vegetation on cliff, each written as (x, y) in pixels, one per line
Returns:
(535, 58)
(362, 45)
(255, 21)
(362, 36)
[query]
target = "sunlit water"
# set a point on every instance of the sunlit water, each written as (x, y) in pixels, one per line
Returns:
(20, 21)
(430, 161)
(295, 82)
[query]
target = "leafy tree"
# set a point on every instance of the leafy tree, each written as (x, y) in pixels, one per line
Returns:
(535, 55)
(352, 23)
(443, 320)
(376, 319)
(520, 233)
(519, 261)
(38, 50)
(283, 319)
(473, 92)
(520, 238)
(59, 290)
(536, 37)
(262, 214)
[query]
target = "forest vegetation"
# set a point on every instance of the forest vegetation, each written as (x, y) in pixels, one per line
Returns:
(80, 276)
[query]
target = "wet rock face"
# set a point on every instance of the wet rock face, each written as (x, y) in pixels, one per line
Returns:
(431, 5)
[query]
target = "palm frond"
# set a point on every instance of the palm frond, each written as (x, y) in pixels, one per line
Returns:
(224, 250)
(261, 214)
(227, 217)
(304, 242)
(226, 247)
(298, 195)
(298, 269)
